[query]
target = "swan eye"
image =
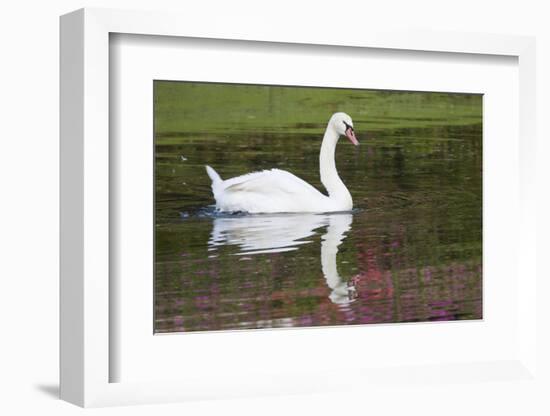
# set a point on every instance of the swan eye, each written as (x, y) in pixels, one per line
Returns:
(348, 126)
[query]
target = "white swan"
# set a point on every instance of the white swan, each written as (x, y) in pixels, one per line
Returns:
(276, 190)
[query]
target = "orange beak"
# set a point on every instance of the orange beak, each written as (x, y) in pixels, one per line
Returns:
(350, 134)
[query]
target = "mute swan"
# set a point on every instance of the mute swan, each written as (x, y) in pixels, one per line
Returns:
(275, 190)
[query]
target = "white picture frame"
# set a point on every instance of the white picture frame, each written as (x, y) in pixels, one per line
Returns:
(85, 211)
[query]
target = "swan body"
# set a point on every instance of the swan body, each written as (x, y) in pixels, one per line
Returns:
(270, 191)
(277, 191)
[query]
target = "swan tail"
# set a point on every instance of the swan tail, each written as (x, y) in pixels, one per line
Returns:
(216, 179)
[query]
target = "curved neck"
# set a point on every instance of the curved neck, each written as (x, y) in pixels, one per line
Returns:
(327, 167)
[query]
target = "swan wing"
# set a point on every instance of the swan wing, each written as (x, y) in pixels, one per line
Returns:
(272, 190)
(273, 181)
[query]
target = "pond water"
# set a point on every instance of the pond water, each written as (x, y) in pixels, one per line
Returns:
(411, 249)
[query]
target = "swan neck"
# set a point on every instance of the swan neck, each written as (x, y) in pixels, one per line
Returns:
(327, 166)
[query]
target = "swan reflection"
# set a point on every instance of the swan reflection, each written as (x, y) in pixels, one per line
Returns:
(262, 234)
(342, 291)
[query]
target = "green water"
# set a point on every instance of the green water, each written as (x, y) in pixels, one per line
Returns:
(410, 251)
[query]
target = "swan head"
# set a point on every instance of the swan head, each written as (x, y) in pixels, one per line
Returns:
(343, 124)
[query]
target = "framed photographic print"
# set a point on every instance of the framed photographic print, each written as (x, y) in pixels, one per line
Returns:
(271, 213)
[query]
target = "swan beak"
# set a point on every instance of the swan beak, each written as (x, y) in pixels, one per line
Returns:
(350, 134)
